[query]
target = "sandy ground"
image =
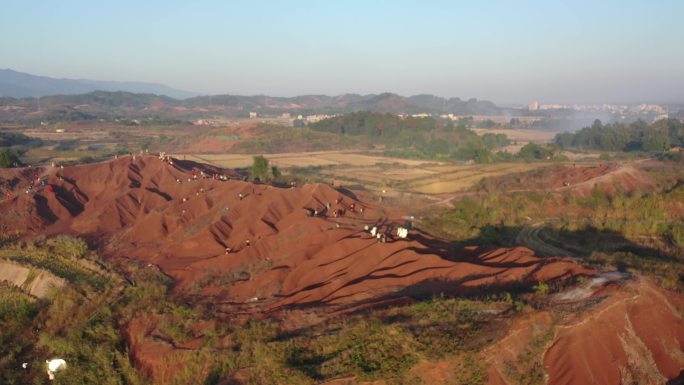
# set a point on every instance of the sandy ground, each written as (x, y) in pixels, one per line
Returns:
(36, 282)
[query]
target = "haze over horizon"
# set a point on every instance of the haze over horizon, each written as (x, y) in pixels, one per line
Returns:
(554, 52)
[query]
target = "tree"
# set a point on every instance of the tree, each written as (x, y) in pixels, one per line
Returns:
(275, 172)
(8, 159)
(260, 168)
(655, 141)
(565, 139)
(482, 155)
(532, 151)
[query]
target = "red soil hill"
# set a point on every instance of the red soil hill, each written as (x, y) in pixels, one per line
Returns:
(280, 255)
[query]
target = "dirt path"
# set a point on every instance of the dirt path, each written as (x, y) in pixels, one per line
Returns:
(529, 236)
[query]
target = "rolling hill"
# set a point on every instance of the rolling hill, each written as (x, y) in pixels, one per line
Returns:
(21, 85)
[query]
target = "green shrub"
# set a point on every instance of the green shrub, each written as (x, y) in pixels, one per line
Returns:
(541, 288)
(8, 159)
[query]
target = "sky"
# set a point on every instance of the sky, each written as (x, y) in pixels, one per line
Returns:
(509, 52)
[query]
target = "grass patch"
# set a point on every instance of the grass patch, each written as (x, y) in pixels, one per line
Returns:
(58, 255)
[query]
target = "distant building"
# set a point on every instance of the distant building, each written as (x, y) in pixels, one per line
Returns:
(317, 118)
(252, 115)
(534, 106)
(286, 115)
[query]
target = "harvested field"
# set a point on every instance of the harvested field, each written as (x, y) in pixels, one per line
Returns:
(426, 179)
(377, 172)
(301, 159)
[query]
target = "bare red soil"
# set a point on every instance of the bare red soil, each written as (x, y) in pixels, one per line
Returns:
(635, 336)
(279, 255)
(609, 178)
(580, 180)
(158, 355)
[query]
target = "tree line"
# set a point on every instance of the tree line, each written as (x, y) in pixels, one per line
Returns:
(637, 136)
(415, 137)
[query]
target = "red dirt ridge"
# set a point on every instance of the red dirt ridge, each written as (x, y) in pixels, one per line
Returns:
(279, 255)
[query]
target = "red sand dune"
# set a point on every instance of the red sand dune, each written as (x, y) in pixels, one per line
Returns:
(135, 209)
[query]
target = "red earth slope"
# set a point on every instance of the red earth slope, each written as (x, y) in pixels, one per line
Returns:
(156, 212)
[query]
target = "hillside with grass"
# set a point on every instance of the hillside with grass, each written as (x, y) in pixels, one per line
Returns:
(629, 217)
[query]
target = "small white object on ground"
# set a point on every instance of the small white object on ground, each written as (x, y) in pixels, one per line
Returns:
(54, 365)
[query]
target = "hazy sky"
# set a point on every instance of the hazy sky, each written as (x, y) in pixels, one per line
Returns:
(504, 51)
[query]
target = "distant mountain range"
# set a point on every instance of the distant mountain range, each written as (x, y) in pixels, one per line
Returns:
(317, 104)
(21, 85)
(15, 86)
(22, 94)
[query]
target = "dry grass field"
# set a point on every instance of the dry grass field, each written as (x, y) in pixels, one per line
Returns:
(426, 178)
(300, 159)
(377, 172)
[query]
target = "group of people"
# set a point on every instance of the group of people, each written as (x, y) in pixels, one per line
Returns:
(401, 232)
(165, 158)
(392, 231)
(339, 211)
(229, 249)
(36, 181)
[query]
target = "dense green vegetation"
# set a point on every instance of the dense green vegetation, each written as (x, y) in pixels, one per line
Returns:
(637, 136)
(421, 138)
(261, 171)
(8, 159)
(14, 139)
(533, 151)
(12, 145)
(271, 139)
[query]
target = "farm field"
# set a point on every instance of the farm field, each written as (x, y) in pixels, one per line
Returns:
(425, 179)
(376, 172)
(301, 159)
